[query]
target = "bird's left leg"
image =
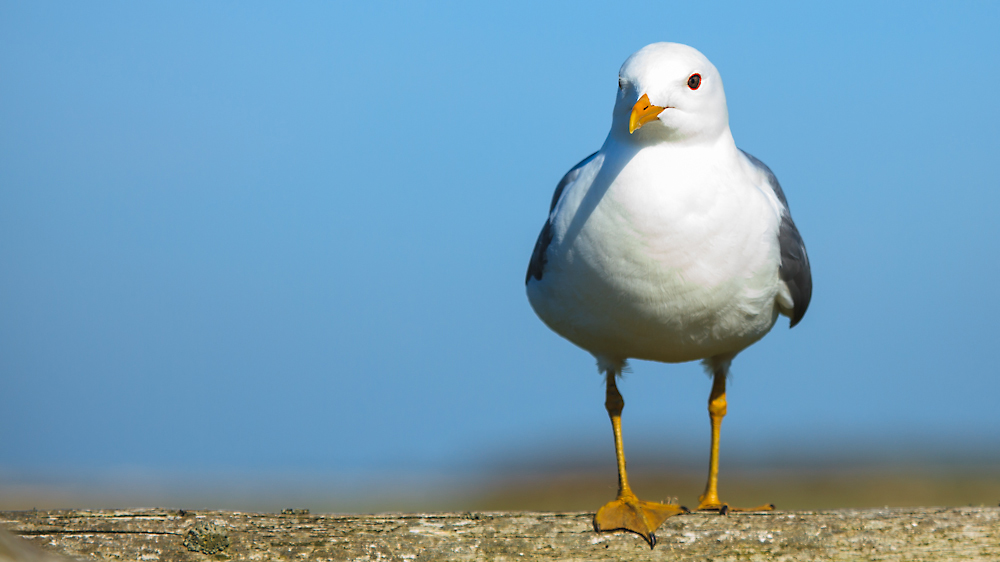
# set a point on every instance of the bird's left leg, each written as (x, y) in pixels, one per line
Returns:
(627, 511)
(717, 407)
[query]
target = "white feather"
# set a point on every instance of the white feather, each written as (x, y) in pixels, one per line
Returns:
(665, 247)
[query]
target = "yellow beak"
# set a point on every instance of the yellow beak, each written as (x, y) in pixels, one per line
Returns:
(642, 112)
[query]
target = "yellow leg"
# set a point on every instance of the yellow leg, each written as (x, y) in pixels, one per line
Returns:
(628, 512)
(709, 500)
(716, 411)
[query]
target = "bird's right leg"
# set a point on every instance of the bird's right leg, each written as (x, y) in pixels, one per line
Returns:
(628, 512)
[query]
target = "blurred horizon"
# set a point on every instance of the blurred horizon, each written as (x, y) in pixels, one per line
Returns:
(275, 253)
(901, 475)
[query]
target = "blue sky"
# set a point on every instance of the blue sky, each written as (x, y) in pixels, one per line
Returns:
(251, 237)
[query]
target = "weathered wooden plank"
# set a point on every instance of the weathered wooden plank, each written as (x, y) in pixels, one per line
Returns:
(965, 534)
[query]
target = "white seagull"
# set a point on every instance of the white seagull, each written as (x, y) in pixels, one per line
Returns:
(668, 244)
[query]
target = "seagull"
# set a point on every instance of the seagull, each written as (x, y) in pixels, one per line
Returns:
(668, 244)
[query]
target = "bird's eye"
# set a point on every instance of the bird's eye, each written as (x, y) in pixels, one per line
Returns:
(621, 84)
(694, 81)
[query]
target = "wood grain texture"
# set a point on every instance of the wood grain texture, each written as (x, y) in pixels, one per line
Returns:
(157, 534)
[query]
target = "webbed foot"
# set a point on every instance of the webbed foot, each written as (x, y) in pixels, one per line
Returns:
(632, 514)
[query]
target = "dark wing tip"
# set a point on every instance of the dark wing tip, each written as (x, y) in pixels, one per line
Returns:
(794, 269)
(537, 263)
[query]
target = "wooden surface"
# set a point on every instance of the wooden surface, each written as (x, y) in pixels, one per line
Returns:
(156, 534)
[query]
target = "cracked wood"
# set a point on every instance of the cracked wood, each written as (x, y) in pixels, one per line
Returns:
(159, 534)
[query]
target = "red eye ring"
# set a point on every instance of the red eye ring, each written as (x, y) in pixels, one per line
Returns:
(694, 81)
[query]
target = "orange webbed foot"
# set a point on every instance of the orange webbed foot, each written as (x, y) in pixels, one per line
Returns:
(629, 513)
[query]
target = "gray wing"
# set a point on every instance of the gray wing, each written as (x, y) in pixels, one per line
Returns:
(794, 269)
(537, 263)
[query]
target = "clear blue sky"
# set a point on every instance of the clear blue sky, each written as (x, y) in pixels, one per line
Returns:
(243, 237)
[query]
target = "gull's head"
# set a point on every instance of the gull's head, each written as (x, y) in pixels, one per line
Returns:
(669, 91)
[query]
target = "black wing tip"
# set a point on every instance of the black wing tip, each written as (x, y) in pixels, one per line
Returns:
(801, 296)
(797, 315)
(531, 273)
(536, 266)
(795, 320)
(795, 269)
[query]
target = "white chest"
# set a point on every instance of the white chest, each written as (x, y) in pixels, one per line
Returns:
(666, 255)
